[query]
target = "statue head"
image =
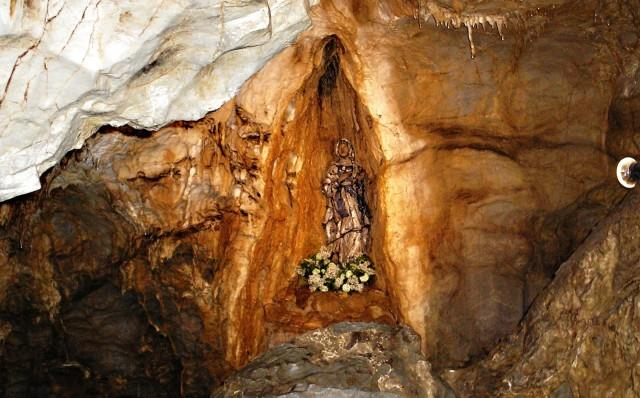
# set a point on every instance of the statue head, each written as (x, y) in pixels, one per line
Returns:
(345, 155)
(344, 150)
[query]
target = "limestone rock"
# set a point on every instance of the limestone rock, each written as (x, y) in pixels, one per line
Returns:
(70, 67)
(346, 359)
(483, 163)
(580, 337)
(99, 330)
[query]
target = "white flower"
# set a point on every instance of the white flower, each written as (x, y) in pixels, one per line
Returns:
(364, 278)
(338, 282)
(348, 274)
(315, 271)
(332, 271)
(316, 280)
(346, 287)
(358, 287)
(323, 288)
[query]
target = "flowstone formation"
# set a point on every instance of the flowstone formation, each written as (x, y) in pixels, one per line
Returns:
(158, 263)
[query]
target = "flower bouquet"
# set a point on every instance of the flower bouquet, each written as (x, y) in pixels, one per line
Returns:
(324, 275)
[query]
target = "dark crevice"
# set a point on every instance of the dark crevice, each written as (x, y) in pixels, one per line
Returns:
(331, 55)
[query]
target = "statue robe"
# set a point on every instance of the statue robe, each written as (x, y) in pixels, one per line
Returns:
(346, 220)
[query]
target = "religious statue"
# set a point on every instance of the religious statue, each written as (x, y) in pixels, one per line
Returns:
(347, 218)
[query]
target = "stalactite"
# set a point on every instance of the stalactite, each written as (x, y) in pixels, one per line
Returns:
(471, 45)
(527, 22)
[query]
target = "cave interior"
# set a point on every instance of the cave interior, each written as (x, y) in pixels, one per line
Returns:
(161, 262)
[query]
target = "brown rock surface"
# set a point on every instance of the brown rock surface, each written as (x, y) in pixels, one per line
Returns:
(581, 337)
(486, 174)
(493, 169)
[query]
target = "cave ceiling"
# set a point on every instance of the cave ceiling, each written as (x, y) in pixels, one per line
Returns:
(67, 68)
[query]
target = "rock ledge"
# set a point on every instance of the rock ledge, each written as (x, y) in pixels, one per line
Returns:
(344, 360)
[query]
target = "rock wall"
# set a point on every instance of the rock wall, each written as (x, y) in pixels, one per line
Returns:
(203, 221)
(580, 337)
(492, 168)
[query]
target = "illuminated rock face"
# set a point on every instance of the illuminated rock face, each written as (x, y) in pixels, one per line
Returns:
(491, 172)
(69, 67)
(485, 175)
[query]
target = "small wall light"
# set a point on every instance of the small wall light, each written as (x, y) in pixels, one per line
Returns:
(628, 172)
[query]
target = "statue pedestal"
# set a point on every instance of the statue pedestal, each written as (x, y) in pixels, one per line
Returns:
(298, 310)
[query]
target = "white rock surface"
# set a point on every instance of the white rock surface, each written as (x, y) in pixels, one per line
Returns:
(68, 67)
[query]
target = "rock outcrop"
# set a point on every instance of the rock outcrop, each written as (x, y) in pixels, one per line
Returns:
(581, 337)
(344, 360)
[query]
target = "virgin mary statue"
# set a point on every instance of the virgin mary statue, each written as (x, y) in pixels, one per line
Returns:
(347, 218)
